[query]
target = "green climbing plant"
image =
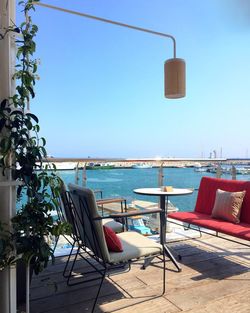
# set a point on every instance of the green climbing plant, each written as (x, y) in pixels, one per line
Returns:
(22, 151)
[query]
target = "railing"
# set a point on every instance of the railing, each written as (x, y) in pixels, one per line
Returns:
(81, 163)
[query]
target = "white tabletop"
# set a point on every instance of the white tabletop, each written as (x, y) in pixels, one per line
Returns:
(158, 192)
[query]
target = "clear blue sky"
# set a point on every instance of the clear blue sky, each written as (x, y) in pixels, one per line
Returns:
(101, 87)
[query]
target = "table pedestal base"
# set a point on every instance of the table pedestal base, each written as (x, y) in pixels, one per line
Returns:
(168, 254)
(163, 220)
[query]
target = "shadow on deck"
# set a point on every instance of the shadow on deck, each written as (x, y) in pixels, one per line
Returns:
(215, 277)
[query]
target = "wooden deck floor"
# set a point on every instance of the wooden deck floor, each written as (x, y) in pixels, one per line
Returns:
(215, 277)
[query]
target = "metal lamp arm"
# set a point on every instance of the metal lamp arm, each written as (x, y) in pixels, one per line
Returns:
(145, 30)
(174, 69)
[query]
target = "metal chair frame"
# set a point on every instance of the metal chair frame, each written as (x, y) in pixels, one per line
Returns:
(64, 217)
(203, 231)
(102, 267)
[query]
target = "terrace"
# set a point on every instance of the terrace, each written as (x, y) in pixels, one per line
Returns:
(215, 274)
(215, 277)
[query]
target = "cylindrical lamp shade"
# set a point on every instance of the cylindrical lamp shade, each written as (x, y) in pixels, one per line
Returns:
(175, 78)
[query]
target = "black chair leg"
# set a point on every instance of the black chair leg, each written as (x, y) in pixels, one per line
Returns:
(200, 232)
(98, 292)
(72, 267)
(186, 227)
(67, 263)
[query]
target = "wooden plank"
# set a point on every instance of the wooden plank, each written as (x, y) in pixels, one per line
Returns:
(224, 248)
(144, 304)
(53, 288)
(69, 297)
(189, 281)
(239, 302)
(202, 294)
(213, 242)
(214, 271)
(59, 266)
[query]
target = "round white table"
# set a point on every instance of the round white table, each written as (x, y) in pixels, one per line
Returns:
(164, 209)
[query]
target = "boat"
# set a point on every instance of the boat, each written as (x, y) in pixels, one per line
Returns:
(243, 171)
(152, 221)
(99, 166)
(200, 169)
(228, 170)
(136, 223)
(60, 166)
(141, 165)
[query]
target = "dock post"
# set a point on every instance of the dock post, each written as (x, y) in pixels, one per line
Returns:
(160, 178)
(77, 174)
(218, 171)
(233, 172)
(84, 176)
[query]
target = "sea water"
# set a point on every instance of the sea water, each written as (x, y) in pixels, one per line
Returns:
(122, 182)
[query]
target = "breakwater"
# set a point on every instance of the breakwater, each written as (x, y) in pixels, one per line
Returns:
(110, 163)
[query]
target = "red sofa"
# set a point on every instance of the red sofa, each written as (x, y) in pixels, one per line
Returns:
(204, 204)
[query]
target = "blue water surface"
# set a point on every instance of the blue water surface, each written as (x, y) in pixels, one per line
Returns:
(121, 182)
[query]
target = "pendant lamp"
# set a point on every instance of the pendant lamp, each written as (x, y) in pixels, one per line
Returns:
(175, 78)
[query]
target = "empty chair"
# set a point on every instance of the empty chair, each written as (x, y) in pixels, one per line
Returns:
(91, 239)
(64, 215)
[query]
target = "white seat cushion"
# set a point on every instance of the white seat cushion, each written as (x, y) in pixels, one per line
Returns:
(134, 246)
(116, 226)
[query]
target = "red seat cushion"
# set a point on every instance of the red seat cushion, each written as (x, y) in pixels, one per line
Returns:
(113, 242)
(207, 193)
(241, 230)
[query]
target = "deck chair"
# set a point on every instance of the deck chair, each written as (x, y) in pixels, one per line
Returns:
(90, 238)
(64, 215)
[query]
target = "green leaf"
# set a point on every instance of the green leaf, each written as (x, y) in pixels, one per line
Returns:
(16, 112)
(44, 152)
(43, 141)
(28, 124)
(33, 116)
(34, 68)
(36, 128)
(31, 91)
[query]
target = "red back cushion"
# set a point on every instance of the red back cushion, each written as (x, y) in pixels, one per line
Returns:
(113, 242)
(207, 192)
